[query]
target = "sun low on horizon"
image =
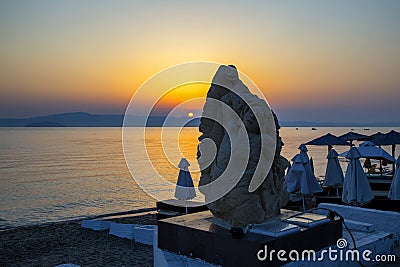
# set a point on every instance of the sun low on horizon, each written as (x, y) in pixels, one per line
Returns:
(183, 100)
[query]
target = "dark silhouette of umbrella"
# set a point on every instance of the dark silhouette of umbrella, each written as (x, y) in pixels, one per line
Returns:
(352, 136)
(391, 138)
(328, 140)
(376, 135)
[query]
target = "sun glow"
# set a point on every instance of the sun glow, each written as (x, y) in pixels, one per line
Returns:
(190, 114)
(182, 95)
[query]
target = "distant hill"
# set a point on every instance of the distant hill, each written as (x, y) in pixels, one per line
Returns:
(83, 119)
(45, 124)
(74, 119)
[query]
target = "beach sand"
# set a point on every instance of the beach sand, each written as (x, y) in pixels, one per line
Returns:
(66, 242)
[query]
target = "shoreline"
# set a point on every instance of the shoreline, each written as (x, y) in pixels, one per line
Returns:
(121, 214)
(51, 244)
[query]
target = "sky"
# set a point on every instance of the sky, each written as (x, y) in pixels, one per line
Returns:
(325, 61)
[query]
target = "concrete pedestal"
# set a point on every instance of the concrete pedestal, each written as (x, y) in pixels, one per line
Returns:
(199, 236)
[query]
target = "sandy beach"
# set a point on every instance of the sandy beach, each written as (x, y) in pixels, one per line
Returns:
(66, 242)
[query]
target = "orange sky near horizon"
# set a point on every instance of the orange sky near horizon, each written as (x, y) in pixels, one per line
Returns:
(179, 95)
(92, 56)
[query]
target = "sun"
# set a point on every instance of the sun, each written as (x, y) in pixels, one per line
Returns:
(190, 114)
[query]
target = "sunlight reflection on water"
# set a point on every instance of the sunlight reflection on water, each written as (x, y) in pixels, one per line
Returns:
(53, 174)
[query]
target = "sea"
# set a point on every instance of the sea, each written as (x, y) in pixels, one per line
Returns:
(57, 174)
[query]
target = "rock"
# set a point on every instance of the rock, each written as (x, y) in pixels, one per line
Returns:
(242, 127)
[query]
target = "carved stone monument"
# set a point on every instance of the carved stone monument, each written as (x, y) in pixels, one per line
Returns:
(245, 203)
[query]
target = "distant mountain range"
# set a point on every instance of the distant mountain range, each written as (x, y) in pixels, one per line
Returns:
(83, 119)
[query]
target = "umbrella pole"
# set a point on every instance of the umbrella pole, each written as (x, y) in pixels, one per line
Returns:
(186, 206)
(393, 150)
(304, 204)
(337, 191)
(393, 155)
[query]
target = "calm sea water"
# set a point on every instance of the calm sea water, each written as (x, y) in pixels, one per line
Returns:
(54, 174)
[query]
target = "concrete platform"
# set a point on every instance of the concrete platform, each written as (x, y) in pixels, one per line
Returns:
(173, 207)
(199, 236)
(372, 230)
(385, 221)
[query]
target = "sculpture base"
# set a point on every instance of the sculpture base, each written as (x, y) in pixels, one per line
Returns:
(199, 236)
(174, 207)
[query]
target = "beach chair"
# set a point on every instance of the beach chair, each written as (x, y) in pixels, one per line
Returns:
(372, 169)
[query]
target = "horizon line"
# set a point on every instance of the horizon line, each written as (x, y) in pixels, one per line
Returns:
(291, 123)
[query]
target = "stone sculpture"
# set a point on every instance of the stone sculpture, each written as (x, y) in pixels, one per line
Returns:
(240, 206)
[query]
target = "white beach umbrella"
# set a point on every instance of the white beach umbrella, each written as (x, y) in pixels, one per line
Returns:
(184, 186)
(295, 175)
(303, 147)
(394, 192)
(303, 153)
(369, 150)
(333, 174)
(301, 179)
(356, 188)
(312, 183)
(307, 161)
